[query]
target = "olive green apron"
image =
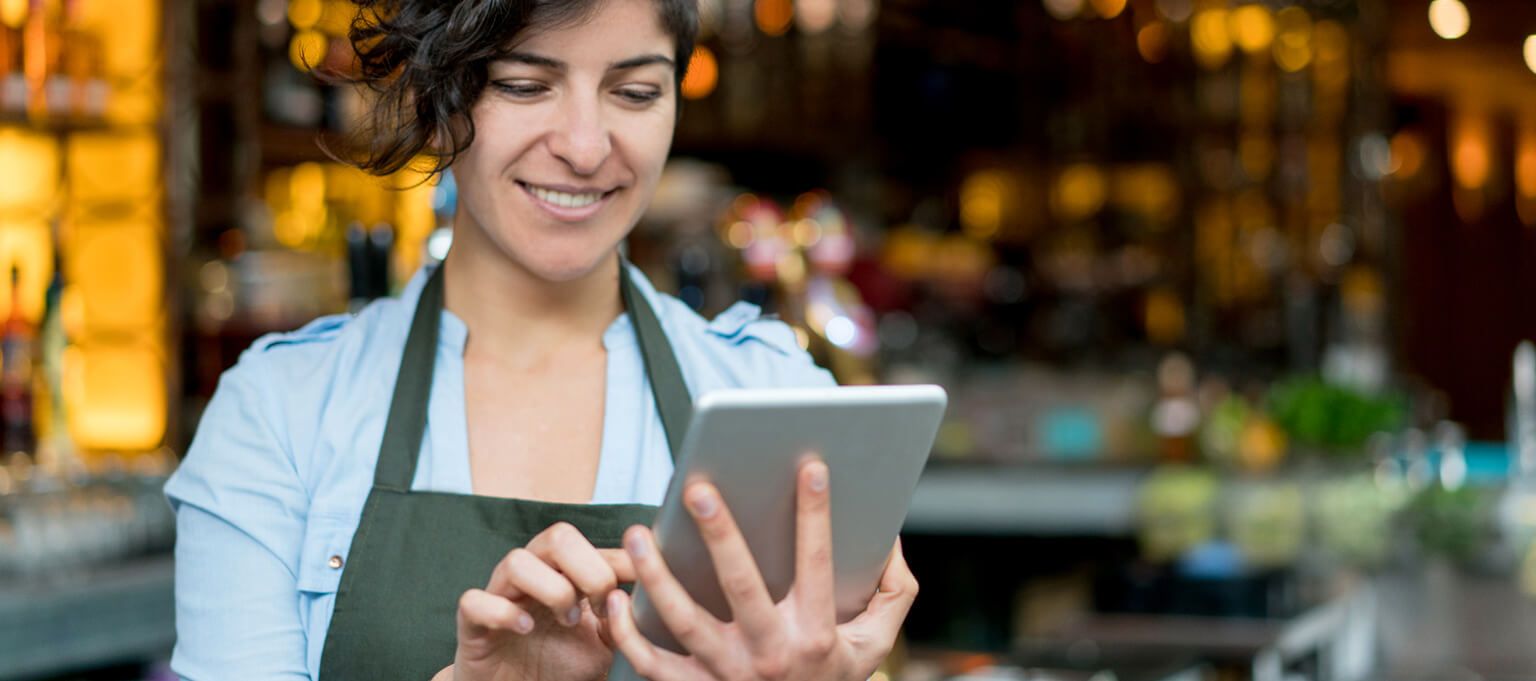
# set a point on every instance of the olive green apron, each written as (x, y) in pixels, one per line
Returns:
(415, 553)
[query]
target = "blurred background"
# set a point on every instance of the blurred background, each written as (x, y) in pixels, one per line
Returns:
(1229, 297)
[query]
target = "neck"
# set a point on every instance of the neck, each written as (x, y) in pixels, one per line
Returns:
(514, 315)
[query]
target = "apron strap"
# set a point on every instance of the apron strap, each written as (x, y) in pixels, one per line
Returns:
(408, 407)
(673, 401)
(407, 422)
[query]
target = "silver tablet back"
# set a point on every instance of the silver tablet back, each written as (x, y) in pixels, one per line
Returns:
(875, 441)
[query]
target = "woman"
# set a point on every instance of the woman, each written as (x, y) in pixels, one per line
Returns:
(438, 486)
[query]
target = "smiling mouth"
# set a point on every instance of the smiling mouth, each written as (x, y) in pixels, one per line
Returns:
(562, 199)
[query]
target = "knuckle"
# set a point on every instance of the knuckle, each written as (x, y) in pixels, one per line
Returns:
(687, 629)
(564, 533)
(738, 585)
(821, 645)
(772, 667)
(520, 558)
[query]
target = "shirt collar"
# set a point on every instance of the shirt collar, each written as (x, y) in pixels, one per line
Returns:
(453, 333)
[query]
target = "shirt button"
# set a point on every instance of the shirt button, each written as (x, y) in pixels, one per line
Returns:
(335, 562)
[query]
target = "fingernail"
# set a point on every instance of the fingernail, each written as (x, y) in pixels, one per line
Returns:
(703, 504)
(613, 600)
(524, 623)
(636, 545)
(818, 477)
(573, 616)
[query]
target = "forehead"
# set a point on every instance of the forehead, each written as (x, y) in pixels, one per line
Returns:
(607, 28)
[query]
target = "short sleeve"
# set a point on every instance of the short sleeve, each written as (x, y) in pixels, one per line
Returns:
(240, 518)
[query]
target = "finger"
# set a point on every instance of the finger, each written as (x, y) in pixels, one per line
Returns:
(567, 550)
(690, 624)
(644, 657)
(814, 587)
(522, 574)
(618, 561)
(482, 612)
(882, 620)
(735, 568)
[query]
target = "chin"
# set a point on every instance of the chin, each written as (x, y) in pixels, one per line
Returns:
(566, 266)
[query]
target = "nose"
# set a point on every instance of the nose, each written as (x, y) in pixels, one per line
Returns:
(581, 138)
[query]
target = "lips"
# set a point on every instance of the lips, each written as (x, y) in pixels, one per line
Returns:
(568, 204)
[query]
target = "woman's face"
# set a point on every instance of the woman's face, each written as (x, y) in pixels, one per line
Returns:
(570, 138)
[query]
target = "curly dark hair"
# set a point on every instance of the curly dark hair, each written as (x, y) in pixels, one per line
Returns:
(427, 63)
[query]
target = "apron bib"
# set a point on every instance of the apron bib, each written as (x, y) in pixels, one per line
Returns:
(415, 553)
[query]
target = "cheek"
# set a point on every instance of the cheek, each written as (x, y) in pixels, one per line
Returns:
(650, 141)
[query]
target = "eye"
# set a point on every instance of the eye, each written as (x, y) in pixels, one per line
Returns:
(520, 89)
(638, 95)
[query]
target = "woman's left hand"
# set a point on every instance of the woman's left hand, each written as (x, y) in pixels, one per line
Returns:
(798, 638)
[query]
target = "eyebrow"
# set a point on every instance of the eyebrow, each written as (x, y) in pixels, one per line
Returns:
(557, 65)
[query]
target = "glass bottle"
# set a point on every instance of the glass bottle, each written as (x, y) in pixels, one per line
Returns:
(16, 339)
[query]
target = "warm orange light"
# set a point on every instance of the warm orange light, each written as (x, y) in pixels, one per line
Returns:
(336, 17)
(1080, 192)
(1164, 317)
(1471, 156)
(703, 74)
(1209, 36)
(115, 270)
(1407, 154)
(981, 204)
(304, 14)
(1525, 164)
(307, 49)
(1253, 28)
(13, 12)
(774, 16)
(130, 39)
(115, 396)
(113, 166)
(1293, 41)
(1108, 9)
(135, 103)
(1152, 42)
(29, 176)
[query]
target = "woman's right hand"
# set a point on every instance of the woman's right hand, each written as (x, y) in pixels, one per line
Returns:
(535, 619)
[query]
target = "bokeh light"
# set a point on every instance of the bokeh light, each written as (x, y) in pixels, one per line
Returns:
(1063, 9)
(304, 14)
(981, 204)
(1449, 18)
(1210, 38)
(703, 74)
(773, 17)
(1253, 28)
(307, 49)
(815, 16)
(1108, 9)
(1152, 42)
(1293, 39)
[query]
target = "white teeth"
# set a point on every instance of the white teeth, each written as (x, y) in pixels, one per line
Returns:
(563, 199)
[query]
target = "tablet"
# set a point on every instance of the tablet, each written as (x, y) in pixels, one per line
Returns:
(749, 443)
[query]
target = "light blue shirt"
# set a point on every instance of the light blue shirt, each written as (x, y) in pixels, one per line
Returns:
(273, 485)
